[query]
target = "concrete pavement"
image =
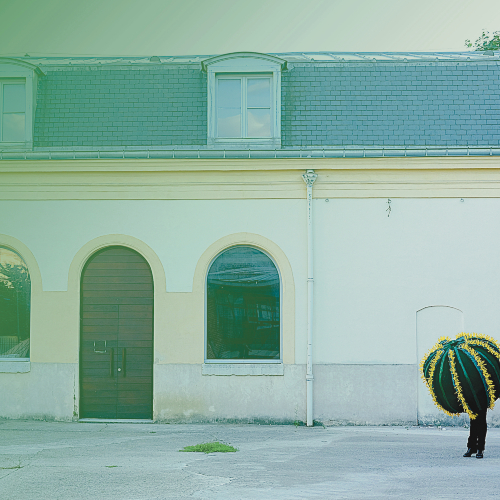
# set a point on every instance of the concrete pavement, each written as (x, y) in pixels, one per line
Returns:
(99, 461)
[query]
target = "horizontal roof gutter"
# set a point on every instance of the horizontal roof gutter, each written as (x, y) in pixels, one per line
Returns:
(221, 154)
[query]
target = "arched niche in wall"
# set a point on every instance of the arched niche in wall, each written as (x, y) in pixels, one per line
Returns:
(433, 322)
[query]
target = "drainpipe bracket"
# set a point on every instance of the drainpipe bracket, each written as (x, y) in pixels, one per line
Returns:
(309, 177)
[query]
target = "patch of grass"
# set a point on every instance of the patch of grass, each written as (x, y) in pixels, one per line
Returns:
(18, 466)
(210, 448)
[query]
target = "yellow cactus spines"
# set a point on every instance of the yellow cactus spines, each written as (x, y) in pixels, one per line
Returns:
(429, 381)
(441, 341)
(458, 388)
(431, 374)
(438, 345)
(435, 348)
(486, 346)
(484, 372)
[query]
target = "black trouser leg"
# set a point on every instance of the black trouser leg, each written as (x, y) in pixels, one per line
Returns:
(477, 434)
(481, 430)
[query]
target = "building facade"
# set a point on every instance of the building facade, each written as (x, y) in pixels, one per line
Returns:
(244, 237)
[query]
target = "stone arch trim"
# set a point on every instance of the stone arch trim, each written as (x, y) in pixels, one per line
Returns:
(20, 248)
(81, 257)
(439, 305)
(284, 269)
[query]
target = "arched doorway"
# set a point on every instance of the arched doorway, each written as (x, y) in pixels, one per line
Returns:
(116, 336)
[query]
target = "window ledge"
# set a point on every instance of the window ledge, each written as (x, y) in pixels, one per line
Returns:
(14, 365)
(242, 369)
(16, 146)
(245, 143)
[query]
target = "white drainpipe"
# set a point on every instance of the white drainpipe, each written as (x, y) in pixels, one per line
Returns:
(309, 178)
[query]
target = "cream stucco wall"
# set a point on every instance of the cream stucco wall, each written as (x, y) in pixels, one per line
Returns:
(377, 271)
(372, 272)
(178, 239)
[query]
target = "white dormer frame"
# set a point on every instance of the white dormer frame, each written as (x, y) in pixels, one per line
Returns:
(244, 64)
(16, 70)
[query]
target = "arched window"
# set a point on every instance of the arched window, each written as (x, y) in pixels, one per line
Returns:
(15, 299)
(243, 307)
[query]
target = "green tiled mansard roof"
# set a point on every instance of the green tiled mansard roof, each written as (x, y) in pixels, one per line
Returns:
(328, 100)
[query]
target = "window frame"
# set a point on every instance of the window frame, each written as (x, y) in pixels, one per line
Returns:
(244, 104)
(13, 70)
(242, 361)
(248, 65)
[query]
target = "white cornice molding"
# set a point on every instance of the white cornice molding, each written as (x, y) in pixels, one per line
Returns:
(235, 59)
(17, 64)
(251, 164)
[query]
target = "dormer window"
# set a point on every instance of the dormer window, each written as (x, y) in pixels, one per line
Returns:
(17, 103)
(244, 100)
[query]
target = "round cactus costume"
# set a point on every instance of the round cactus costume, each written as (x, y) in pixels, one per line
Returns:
(463, 375)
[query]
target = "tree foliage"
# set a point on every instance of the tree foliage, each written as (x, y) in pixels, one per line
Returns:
(15, 294)
(485, 41)
(14, 276)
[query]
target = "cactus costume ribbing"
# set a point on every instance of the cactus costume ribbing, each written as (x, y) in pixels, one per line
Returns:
(463, 375)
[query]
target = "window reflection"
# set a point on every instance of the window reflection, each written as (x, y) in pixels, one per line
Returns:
(259, 123)
(259, 92)
(243, 306)
(13, 111)
(244, 107)
(15, 298)
(14, 98)
(13, 127)
(229, 108)
(229, 122)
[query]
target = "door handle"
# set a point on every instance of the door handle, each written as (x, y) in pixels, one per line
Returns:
(111, 359)
(124, 361)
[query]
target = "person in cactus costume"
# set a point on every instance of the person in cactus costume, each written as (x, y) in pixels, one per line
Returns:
(463, 376)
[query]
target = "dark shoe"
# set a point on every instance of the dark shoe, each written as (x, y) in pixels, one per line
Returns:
(479, 454)
(470, 452)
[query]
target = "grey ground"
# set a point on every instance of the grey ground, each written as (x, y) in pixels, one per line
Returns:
(98, 461)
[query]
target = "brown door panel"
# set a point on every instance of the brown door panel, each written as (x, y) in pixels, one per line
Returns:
(117, 317)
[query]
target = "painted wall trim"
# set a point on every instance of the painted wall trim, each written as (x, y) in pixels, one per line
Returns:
(266, 164)
(14, 366)
(81, 257)
(251, 179)
(226, 369)
(19, 247)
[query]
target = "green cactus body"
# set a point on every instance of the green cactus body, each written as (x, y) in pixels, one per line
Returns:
(463, 375)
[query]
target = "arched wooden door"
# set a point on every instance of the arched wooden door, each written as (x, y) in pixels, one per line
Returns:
(116, 336)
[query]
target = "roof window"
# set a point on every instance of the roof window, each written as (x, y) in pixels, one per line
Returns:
(244, 100)
(17, 103)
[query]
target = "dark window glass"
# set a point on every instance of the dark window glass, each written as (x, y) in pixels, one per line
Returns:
(15, 295)
(243, 306)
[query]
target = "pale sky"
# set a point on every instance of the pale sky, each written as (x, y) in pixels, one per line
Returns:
(198, 27)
